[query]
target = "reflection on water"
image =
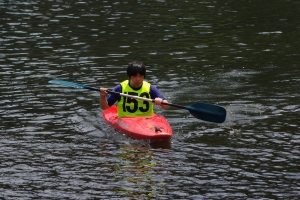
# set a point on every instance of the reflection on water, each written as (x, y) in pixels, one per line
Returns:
(242, 55)
(138, 174)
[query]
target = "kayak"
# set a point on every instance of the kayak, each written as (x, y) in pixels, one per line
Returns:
(154, 128)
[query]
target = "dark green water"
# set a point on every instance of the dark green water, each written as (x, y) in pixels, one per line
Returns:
(242, 55)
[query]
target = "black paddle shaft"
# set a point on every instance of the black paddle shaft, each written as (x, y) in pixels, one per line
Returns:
(203, 111)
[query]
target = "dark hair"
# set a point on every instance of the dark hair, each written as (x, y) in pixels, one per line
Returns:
(136, 67)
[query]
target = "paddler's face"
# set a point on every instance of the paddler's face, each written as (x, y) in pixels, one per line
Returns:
(136, 81)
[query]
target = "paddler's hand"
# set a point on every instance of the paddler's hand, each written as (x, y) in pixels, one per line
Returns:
(103, 92)
(158, 101)
(103, 102)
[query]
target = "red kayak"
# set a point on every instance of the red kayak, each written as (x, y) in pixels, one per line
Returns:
(154, 128)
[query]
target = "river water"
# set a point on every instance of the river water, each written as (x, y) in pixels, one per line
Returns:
(239, 54)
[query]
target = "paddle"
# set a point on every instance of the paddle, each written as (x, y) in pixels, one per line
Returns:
(203, 111)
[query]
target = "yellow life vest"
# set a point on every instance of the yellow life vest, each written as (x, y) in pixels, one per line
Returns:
(129, 107)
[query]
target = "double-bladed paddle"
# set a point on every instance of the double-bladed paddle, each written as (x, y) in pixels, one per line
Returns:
(203, 111)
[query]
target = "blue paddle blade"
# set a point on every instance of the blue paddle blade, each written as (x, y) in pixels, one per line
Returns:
(69, 84)
(207, 112)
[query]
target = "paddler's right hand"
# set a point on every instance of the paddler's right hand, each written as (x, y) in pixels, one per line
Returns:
(103, 102)
(103, 92)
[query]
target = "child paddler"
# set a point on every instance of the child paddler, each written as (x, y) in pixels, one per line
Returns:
(137, 86)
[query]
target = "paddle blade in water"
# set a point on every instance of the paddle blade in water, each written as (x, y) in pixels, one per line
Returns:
(207, 112)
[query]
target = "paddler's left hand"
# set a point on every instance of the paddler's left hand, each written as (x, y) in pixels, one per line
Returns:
(158, 101)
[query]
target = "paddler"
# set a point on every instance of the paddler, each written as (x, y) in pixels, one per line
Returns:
(137, 86)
